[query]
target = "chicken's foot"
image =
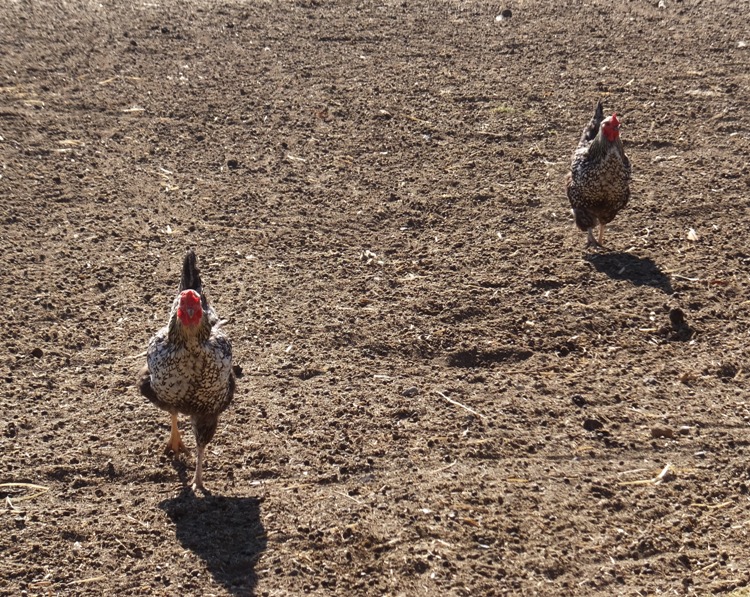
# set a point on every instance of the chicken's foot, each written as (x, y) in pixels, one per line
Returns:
(601, 235)
(593, 243)
(175, 445)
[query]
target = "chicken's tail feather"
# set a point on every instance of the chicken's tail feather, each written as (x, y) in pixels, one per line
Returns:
(592, 128)
(191, 277)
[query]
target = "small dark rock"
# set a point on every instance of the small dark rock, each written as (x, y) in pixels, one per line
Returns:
(37, 353)
(578, 400)
(237, 369)
(592, 425)
(233, 164)
(727, 371)
(602, 492)
(507, 13)
(309, 372)
(410, 392)
(677, 318)
(662, 432)
(678, 329)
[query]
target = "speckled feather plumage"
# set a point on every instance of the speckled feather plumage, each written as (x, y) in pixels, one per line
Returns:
(189, 371)
(598, 185)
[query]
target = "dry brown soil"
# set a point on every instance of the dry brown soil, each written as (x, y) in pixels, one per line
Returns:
(443, 392)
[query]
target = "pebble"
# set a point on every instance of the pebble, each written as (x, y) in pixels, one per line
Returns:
(410, 392)
(505, 15)
(578, 400)
(662, 432)
(677, 317)
(592, 425)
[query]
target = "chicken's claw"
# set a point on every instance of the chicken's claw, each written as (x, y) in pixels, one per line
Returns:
(592, 243)
(175, 447)
(198, 486)
(174, 444)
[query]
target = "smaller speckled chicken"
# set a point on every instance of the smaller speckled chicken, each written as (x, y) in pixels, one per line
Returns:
(599, 181)
(189, 366)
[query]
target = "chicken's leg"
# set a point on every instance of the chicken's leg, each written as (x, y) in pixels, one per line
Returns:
(204, 427)
(601, 235)
(198, 477)
(175, 444)
(591, 242)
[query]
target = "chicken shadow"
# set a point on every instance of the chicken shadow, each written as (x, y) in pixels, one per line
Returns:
(639, 271)
(225, 532)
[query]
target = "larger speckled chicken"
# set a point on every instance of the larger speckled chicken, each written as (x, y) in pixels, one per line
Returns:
(189, 366)
(599, 181)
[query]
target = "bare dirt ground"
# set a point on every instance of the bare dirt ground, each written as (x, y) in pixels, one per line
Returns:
(444, 394)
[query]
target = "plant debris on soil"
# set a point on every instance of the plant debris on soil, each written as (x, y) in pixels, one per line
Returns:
(443, 392)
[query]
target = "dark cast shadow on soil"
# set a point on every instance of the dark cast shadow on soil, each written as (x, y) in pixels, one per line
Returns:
(640, 271)
(225, 532)
(178, 464)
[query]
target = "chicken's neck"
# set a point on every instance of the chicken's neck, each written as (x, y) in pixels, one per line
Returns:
(182, 334)
(600, 147)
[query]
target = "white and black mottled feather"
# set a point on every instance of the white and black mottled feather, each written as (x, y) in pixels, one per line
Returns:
(189, 371)
(598, 185)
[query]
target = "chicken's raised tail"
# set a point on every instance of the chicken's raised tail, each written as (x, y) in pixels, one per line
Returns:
(593, 126)
(191, 277)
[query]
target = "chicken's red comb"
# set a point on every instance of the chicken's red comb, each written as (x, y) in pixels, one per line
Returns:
(189, 298)
(614, 119)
